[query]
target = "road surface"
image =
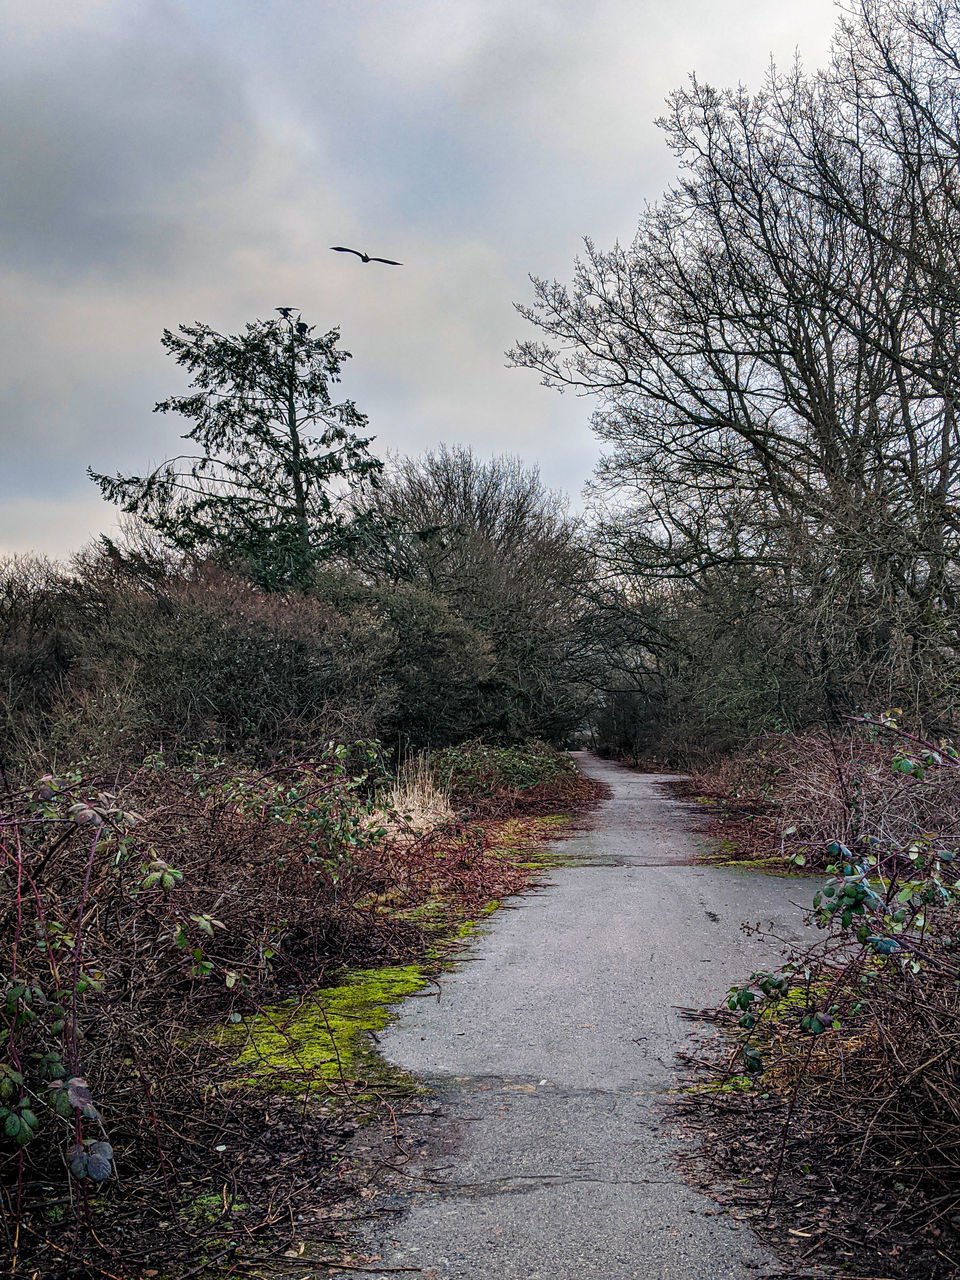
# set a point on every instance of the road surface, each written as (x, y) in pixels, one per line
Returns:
(551, 1050)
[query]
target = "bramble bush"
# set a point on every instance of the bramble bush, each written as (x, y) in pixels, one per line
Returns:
(861, 1030)
(140, 911)
(150, 908)
(479, 773)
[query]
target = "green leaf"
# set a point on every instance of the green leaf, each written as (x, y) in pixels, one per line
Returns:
(752, 1061)
(61, 1103)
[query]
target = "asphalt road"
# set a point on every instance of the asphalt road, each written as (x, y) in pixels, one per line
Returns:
(551, 1051)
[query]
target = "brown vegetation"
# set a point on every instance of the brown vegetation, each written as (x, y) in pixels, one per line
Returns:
(148, 910)
(836, 1105)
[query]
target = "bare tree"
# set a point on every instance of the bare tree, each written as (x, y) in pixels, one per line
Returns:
(489, 538)
(775, 360)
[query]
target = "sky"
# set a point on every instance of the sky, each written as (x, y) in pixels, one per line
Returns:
(169, 161)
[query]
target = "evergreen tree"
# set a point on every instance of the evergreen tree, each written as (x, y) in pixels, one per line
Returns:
(274, 455)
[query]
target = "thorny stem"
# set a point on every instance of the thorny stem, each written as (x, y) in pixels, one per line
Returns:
(15, 1057)
(77, 949)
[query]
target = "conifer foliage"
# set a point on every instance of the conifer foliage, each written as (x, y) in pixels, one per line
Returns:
(271, 453)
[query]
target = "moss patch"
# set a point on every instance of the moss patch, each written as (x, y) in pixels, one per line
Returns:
(518, 831)
(209, 1208)
(526, 842)
(770, 866)
(733, 1084)
(325, 1037)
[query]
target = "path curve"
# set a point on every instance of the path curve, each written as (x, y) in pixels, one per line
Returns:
(551, 1051)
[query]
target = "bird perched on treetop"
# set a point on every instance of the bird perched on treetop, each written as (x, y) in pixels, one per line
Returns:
(286, 312)
(365, 257)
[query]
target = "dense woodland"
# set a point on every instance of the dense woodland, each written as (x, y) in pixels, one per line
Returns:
(303, 674)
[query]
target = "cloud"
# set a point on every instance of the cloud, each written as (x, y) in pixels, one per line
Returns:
(170, 160)
(111, 144)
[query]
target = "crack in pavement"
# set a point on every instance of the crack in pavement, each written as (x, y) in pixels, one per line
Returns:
(513, 1184)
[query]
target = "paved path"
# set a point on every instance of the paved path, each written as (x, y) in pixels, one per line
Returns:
(550, 1053)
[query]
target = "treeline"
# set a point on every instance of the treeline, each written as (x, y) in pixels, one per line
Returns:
(773, 529)
(775, 358)
(452, 623)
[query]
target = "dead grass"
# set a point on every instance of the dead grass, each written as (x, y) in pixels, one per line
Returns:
(416, 802)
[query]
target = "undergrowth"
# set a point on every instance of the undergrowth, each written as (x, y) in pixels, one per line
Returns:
(489, 778)
(194, 955)
(849, 1142)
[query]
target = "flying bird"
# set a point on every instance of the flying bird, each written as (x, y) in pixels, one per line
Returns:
(286, 312)
(365, 257)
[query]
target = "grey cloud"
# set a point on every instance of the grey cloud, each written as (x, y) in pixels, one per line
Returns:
(109, 144)
(171, 160)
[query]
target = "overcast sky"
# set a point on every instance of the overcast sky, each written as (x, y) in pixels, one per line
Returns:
(166, 161)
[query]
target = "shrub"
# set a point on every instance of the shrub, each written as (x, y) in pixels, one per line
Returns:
(142, 914)
(476, 772)
(808, 790)
(106, 664)
(858, 1037)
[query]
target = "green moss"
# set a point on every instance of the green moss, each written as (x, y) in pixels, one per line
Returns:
(772, 866)
(526, 842)
(325, 1037)
(734, 1084)
(433, 915)
(796, 1000)
(462, 933)
(515, 837)
(204, 1209)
